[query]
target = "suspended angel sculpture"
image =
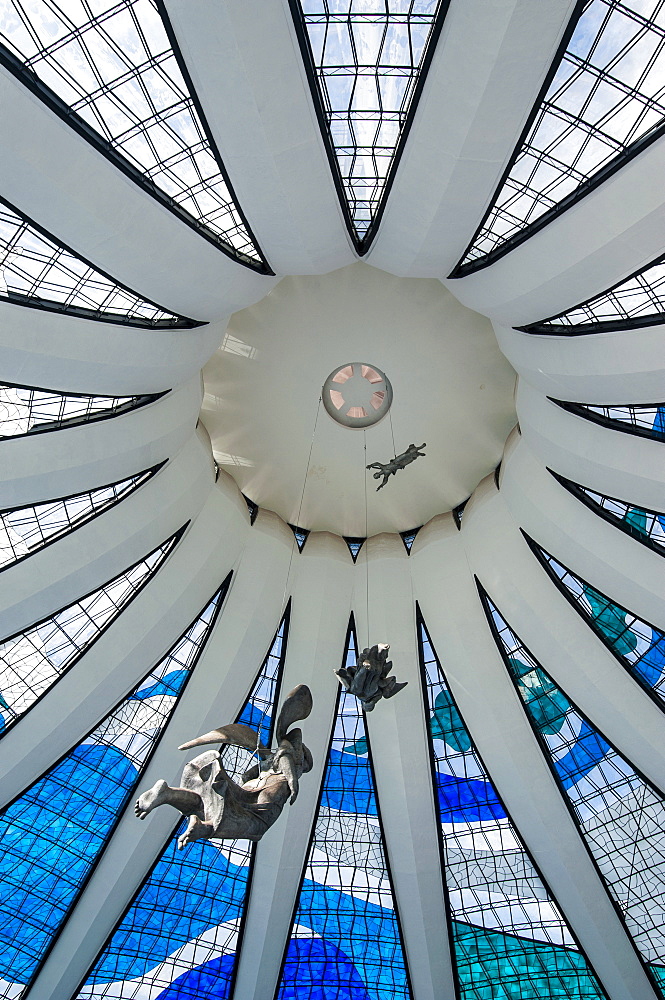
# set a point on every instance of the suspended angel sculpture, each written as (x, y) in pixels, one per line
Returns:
(220, 808)
(398, 462)
(369, 680)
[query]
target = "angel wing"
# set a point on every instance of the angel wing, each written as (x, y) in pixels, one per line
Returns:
(235, 734)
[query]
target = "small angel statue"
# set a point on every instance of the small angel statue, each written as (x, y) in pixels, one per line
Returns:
(369, 680)
(220, 808)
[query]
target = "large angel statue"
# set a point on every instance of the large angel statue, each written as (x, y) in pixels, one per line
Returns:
(370, 679)
(388, 469)
(218, 807)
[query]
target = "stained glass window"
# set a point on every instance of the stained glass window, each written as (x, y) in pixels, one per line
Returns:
(179, 935)
(458, 513)
(26, 410)
(637, 645)
(643, 419)
(301, 535)
(604, 102)
(346, 939)
(37, 270)
(510, 938)
(112, 70)
(32, 661)
(24, 530)
(638, 300)
(647, 526)
(54, 832)
(253, 509)
(354, 545)
(409, 537)
(367, 63)
(619, 814)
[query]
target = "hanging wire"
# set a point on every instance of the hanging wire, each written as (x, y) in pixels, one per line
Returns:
(390, 414)
(366, 544)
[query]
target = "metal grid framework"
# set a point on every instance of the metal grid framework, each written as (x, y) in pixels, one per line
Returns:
(112, 70)
(346, 939)
(366, 64)
(181, 933)
(510, 938)
(28, 410)
(643, 419)
(619, 814)
(637, 645)
(354, 546)
(603, 102)
(646, 526)
(55, 832)
(636, 301)
(32, 661)
(36, 270)
(25, 530)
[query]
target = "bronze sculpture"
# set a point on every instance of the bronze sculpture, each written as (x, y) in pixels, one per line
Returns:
(395, 464)
(220, 808)
(369, 680)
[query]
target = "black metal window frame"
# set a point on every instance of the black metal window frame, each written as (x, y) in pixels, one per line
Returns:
(31, 81)
(580, 410)
(223, 591)
(599, 177)
(135, 403)
(545, 752)
(409, 537)
(625, 665)
(420, 623)
(551, 328)
(35, 302)
(458, 513)
(300, 534)
(362, 246)
(607, 515)
(148, 473)
(350, 631)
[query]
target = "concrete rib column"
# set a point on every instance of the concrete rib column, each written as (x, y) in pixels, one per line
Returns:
(400, 752)
(320, 587)
(215, 694)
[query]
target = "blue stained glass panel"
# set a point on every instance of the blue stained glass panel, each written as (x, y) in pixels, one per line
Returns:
(354, 545)
(618, 813)
(637, 645)
(53, 834)
(32, 661)
(346, 929)
(179, 936)
(24, 530)
(647, 526)
(510, 938)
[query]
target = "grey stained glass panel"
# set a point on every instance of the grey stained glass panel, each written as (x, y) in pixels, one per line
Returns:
(114, 67)
(32, 661)
(618, 813)
(24, 530)
(510, 938)
(636, 301)
(366, 59)
(24, 410)
(643, 419)
(36, 270)
(54, 833)
(179, 937)
(604, 102)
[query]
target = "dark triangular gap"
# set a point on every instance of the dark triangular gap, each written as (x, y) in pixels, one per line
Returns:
(409, 537)
(497, 474)
(610, 626)
(73, 810)
(34, 685)
(491, 954)
(362, 242)
(81, 286)
(351, 931)
(634, 520)
(354, 545)
(9, 515)
(185, 894)
(252, 507)
(458, 513)
(581, 752)
(301, 535)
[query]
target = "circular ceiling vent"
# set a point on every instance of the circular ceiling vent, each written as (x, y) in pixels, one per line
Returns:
(357, 394)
